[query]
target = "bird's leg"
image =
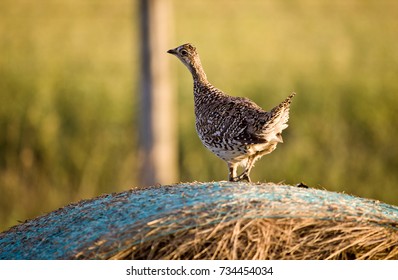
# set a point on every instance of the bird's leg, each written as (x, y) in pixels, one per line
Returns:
(232, 167)
(245, 175)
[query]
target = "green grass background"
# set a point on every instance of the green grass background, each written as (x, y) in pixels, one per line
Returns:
(69, 88)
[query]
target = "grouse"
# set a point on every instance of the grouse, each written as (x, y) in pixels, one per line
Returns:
(234, 128)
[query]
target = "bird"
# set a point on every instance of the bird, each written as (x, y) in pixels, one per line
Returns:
(235, 129)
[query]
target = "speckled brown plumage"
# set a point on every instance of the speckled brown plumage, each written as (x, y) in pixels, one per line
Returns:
(234, 128)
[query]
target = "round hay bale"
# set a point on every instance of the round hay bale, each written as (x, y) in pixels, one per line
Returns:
(217, 220)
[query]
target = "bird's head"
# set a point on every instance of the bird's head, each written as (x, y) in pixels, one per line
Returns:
(186, 53)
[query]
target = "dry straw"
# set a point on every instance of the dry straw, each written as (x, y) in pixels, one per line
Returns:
(218, 220)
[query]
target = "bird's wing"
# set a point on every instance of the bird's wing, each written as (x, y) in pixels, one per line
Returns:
(241, 120)
(242, 124)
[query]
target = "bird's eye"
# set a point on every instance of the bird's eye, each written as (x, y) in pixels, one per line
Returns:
(184, 52)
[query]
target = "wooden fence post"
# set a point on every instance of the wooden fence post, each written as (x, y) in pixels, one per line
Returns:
(157, 129)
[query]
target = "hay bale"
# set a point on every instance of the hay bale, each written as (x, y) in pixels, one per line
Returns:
(219, 220)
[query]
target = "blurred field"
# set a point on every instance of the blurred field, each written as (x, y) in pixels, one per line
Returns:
(68, 87)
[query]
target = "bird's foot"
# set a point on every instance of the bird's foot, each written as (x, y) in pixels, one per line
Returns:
(242, 177)
(233, 179)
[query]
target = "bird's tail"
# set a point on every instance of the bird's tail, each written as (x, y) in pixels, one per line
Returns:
(278, 120)
(286, 102)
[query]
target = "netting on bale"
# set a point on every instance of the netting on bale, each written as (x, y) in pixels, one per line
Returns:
(216, 220)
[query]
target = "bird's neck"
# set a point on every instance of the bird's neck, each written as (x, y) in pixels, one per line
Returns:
(198, 74)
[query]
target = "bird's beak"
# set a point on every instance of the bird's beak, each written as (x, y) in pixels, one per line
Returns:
(172, 51)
